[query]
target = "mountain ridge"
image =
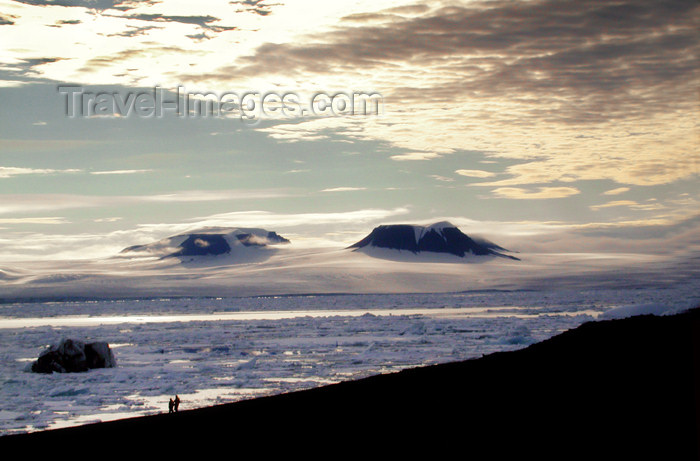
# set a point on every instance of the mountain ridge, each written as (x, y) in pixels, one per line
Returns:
(440, 237)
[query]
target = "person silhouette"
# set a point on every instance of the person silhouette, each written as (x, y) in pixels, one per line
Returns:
(171, 405)
(177, 403)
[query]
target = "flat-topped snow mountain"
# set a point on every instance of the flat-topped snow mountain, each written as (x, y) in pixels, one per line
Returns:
(208, 242)
(441, 237)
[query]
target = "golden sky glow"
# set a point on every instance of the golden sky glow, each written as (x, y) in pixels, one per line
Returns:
(593, 104)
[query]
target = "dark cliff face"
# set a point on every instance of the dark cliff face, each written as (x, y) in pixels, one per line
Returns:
(250, 239)
(203, 244)
(395, 237)
(437, 239)
(452, 241)
(209, 242)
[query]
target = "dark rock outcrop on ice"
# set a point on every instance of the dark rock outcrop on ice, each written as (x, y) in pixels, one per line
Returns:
(71, 356)
(207, 242)
(440, 237)
(203, 244)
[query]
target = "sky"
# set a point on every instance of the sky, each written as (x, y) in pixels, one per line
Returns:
(547, 125)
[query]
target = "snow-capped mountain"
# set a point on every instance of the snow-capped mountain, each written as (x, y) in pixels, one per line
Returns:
(441, 237)
(208, 241)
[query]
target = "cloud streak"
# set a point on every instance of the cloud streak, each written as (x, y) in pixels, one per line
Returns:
(35, 220)
(475, 173)
(518, 193)
(282, 221)
(415, 156)
(343, 189)
(9, 172)
(98, 5)
(119, 172)
(32, 203)
(204, 22)
(629, 204)
(617, 191)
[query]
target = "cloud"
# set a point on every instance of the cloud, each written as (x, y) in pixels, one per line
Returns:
(475, 173)
(638, 163)
(584, 51)
(99, 5)
(437, 177)
(258, 7)
(129, 54)
(519, 193)
(204, 22)
(618, 191)
(36, 220)
(370, 17)
(616, 203)
(343, 189)
(25, 69)
(119, 172)
(212, 195)
(24, 146)
(25, 245)
(30, 203)
(65, 22)
(199, 37)
(411, 156)
(629, 204)
(134, 31)
(8, 172)
(276, 220)
(519, 80)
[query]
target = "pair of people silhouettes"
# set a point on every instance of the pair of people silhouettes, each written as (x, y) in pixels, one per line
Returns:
(174, 405)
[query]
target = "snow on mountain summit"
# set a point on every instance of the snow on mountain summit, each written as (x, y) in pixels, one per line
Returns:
(441, 225)
(441, 237)
(438, 227)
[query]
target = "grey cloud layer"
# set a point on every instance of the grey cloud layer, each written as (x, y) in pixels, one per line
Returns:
(101, 5)
(597, 60)
(24, 70)
(259, 7)
(205, 22)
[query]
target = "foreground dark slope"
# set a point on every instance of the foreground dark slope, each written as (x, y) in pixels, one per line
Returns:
(620, 389)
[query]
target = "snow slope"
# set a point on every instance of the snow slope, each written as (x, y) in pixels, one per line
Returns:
(285, 269)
